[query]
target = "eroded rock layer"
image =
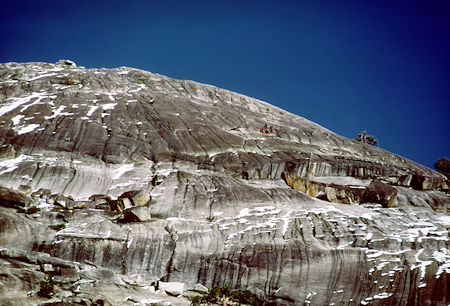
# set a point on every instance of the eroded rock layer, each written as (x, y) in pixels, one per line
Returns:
(131, 178)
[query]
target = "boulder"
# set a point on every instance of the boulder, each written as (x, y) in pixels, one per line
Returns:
(172, 288)
(12, 198)
(62, 200)
(105, 275)
(67, 275)
(41, 193)
(134, 198)
(66, 63)
(100, 198)
(137, 214)
(129, 199)
(25, 189)
(381, 193)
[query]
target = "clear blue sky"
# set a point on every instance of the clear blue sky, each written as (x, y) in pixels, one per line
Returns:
(380, 66)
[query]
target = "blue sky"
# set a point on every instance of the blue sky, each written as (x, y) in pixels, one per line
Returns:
(380, 66)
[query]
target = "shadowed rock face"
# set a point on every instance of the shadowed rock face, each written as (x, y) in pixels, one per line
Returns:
(222, 202)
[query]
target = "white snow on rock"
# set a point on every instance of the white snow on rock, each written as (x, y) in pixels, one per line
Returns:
(286, 221)
(58, 112)
(139, 88)
(39, 101)
(421, 264)
(10, 165)
(16, 119)
(109, 106)
(27, 129)
(16, 102)
(41, 76)
(444, 220)
(383, 295)
(443, 257)
(122, 170)
(92, 109)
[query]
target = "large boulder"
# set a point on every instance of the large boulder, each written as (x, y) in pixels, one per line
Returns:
(12, 198)
(380, 193)
(137, 214)
(132, 198)
(66, 63)
(172, 288)
(64, 201)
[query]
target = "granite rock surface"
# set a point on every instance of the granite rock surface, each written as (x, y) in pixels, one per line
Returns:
(118, 179)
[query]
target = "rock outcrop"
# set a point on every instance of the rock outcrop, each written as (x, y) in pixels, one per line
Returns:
(119, 180)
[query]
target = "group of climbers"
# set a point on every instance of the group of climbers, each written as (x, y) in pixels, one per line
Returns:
(266, 129)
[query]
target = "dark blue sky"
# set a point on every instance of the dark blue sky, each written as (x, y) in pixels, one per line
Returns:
(380, 66)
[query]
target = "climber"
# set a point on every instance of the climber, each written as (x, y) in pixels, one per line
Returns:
(267, 129)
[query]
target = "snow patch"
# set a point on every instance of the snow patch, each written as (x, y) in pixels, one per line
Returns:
(421, 264)
(286, 221)
(58, 112)
(109, 105)
(16, 119)
(383, 295)
(41, 76)
(27, 129)
(16, 102)
(243, 213)
(121, 170)
(444, 220)
(10, 165)
(442, 256)
(92, 109)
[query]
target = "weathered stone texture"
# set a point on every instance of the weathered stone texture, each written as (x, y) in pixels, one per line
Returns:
(140, 179)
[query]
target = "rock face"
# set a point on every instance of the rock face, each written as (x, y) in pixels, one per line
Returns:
(138, 179)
